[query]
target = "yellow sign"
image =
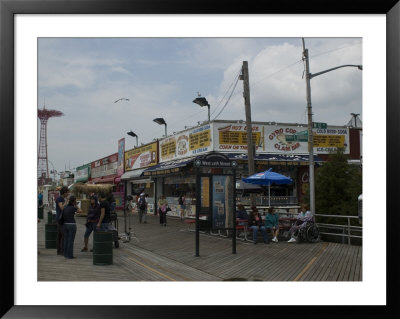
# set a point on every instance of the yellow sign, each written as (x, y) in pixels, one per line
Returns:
(328, 140)
(237, 138)
(198, 140)
(205, 192)
(140, 157)
(168, 149)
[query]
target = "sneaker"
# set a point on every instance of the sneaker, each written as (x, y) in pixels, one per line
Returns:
(276, 239)
(84, 249)
(255, 242)
(292, 240)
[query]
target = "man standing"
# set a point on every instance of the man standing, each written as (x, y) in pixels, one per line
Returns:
(60, 202)
(142, 205)
(104, 220)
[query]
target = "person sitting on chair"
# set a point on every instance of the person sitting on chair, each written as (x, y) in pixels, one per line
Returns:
(255, 224)
(242, 213)
(272, 223)
(302, 218)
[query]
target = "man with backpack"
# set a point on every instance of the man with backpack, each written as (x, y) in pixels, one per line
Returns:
(142, 206)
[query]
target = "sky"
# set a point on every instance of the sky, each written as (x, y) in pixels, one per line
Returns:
(83, 77)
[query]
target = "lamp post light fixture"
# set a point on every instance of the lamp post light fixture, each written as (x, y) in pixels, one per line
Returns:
(309, 76)
(161, 121)
(133, 135)
(203, 102)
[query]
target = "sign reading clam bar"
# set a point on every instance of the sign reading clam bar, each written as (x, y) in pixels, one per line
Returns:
(140, 157)
(186, 144)
(293, 139)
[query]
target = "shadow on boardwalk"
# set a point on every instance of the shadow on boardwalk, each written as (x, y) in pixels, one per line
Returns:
(159, 253)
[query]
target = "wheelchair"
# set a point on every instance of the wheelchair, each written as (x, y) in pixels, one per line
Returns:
(308, 233)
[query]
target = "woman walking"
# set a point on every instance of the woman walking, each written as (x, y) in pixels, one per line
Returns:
(69, 227)
(163, 204)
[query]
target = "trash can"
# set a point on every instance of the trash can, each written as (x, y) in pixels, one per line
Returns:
(102, 248)
(40, 212)
(50, 217)
(50, 236)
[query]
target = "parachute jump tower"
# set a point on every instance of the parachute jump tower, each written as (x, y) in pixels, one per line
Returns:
(43, 165)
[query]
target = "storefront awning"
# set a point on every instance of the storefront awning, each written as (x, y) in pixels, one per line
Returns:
(142, 181)
(132, 174)
(168, 167)
(107, 179)
(274, 157)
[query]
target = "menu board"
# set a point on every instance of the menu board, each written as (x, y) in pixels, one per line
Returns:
(168, 148)
(200, 139)
(205, 192)
(328, 140)
(237, 138)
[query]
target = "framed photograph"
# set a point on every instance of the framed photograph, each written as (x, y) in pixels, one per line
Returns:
(24, 22)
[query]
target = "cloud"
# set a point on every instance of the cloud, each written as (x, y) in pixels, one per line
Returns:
(160, 77)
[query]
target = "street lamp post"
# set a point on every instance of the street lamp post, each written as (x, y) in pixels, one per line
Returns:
(133, 135)
(309, 76)
(161, 121)
(202, 101)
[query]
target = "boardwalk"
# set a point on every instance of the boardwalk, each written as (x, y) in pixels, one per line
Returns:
(168, 254)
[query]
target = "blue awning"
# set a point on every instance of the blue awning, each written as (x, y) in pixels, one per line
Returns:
(167, 167)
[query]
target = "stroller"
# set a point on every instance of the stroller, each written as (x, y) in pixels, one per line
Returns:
(126, 236)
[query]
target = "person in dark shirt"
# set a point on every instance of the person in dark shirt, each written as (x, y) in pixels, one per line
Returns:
(256, 224)
(104, 220)
(242, 213)
(91, 220)
(59, 208)
(69, 227)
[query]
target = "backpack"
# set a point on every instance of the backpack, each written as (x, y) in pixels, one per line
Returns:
(142, 203)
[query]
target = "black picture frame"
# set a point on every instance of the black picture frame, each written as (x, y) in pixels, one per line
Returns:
(8, 10)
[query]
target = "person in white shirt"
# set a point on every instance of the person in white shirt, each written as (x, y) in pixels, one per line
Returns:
(302, 218)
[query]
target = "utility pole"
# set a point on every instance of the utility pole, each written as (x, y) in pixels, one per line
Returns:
(310, 133)
(250, 146)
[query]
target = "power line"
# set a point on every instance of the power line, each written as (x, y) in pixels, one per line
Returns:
(333, 50)
(237, 80)
(217, 105)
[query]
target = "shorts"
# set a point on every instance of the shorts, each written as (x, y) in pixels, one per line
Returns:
(90, 227)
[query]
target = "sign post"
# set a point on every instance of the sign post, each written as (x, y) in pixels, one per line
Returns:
(220, 210)
(319, 125)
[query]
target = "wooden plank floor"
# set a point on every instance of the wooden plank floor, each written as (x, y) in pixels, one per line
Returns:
(157, 253)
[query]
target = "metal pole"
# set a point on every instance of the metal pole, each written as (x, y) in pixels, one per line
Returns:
(208, 105)
(165, 129)
(137, 142)
(310, 133)
(250, 147)
(234, 213)
(198, 207)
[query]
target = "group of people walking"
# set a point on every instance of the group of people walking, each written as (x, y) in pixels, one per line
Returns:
(270, 225)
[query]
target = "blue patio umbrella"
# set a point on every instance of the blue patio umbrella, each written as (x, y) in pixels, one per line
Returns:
(267, 178)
